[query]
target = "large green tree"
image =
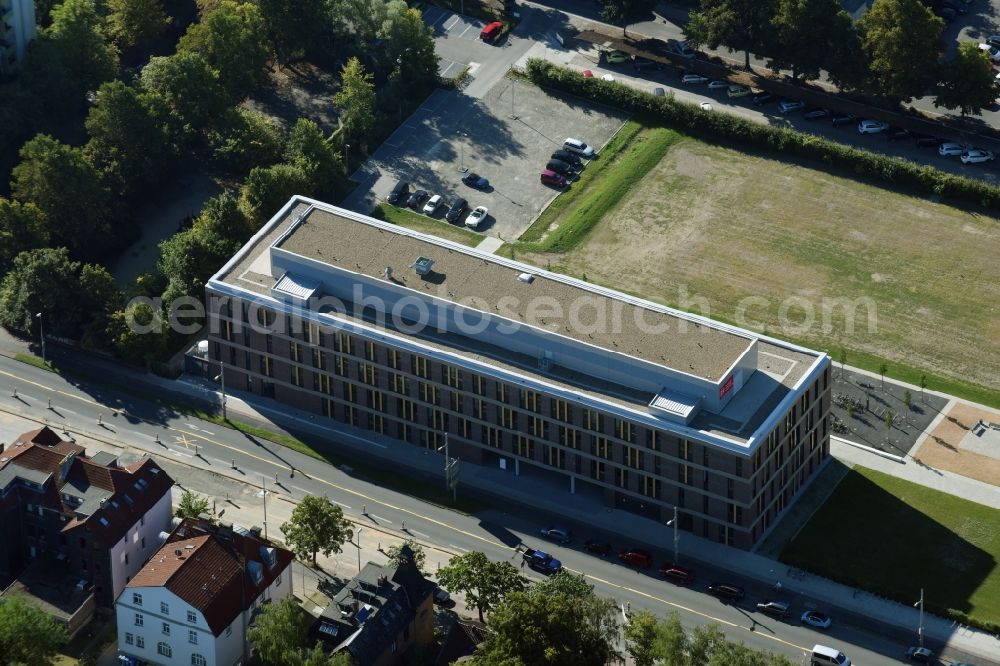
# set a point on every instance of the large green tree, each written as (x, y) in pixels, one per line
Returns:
(137, 333)
(244, 139)
(810, 35)
(189, 258)
(267, 189)
(901, 42)
(100, 296)
(45, 280)
(740, 25)
(126, 143)
(221, 215)
(22, 227)
(278, 632)
(539, 627)
(624, 12)
(310, 151)
(191, 505)
(131, 22)
(641, 632)
(233, 40)
(359, 20)
(356, 100)
(419, 556)
(82, 48)
(190, 89)
(484, 583)
(28, 635)
(317, 525)
(967, 81)
(295, 26)
(69, 192)
(407, 56)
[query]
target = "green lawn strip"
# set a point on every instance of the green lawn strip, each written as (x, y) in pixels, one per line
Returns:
(607, 191)
(404, 217)
(893, 537)
(35, 361)
(594, 169)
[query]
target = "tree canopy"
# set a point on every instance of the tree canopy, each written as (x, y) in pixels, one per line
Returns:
(356, 100)
(131, 22)
(901, 43)
(232, 38)
(22, 227)
(741, 25)
(28, 635)
(624, 12)
(191, 505)
(81, 49)
(967, 81)
(189, 88)
(484, 583)
(317, 525)
(809, 35)
(295, 26)
(244, 139)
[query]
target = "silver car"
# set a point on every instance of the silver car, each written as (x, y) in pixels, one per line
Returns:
(556, 533)
(951, 148)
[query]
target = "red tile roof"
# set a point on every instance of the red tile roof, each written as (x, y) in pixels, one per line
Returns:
(211, 570)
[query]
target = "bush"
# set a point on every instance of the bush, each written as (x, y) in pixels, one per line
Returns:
(747, 134)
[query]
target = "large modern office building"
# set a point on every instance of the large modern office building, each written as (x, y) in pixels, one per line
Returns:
(410, 337)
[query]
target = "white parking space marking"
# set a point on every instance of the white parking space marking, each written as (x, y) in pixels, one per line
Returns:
(450, 23)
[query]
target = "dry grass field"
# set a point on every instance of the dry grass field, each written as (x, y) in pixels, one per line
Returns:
(710, 225)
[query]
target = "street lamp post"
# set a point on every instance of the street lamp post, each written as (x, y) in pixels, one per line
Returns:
(41, 333)
(920, 629)
(263, 489)
(221, 377)
(677, 536)
(461, 148)
(358, 534)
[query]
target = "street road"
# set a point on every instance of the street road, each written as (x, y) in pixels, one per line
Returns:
(120, 417)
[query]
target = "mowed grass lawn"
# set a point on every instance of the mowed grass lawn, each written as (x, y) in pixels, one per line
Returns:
(772, 246)
(893, 537)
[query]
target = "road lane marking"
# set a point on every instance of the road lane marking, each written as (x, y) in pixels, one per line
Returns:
(464, 550)
(420, 534)
(338, 503)
(384, 520)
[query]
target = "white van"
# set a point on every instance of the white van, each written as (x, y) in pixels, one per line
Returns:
(578, 147)
(827, 656)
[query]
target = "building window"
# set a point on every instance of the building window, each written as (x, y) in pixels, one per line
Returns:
(429, 393)
(399, 383)
(266, 366)
(340, 366)
(633, 457)
(164, 608)
(164, 649)
(554, 456)
(601, 448)
(140, 642)
(166, 629)
(456, 401)
(501, 392)
(561, 410)
(419, 364)
(525, 446)
(621, 477)
(625, 430)
(295, 351)
(368, 374)
(296, 375)
(129, 639)
(136, 598)
(394, 359)
(452, 377)
(593, 420)
(491, 437)
(192, 637)
(138, 620)
(477, 385)
(192, 617)
(344, 344)
(369, 350)
(198, 660)
(505, 417)
(528, 400)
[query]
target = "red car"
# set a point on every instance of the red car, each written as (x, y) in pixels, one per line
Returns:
(676, 573)
(491, 32)
(636, 558)
(552, 178)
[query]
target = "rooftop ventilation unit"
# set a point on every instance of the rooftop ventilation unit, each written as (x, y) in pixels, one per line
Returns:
(423, 265)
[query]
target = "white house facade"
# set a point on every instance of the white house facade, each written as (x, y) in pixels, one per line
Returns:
(139, 542)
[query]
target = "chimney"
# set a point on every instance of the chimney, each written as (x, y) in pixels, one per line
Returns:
(177, 552)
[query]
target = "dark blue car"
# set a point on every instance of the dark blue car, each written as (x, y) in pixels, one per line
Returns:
(473, 179)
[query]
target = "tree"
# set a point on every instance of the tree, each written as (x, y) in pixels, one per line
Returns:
(233, 40)
(126, 145)
(740, 25)
(42, 280)
(641, 632)
(76, 32)
(843, 360)
(191, 505)
(22, 227)
(278, 632)
(189, 88)
(623, 12)
(308, 150)
(359, 20)
(901, 42)
(419, 556)
(356, 99)
(672, 642)
(408, 56)
(536, 627)
(131, 22)
(705, 639)
(221, 215)
(923, 385)
(138, 334)
(69, 192)
(889, 417)
(189, 258)
(245, 139)
(483, 582)
(28, 636)
(295, 26)
(907, 401)
(967, 81)
(267, 189)
(882, 370)
(728, 653)
(317, 525)
(99, 294)
(565, 582)
(807, 36)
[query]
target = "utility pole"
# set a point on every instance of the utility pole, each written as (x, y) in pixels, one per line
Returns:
(263, 489)
(451, 469)
(222, 378)
(920, 629)
(358, 534)
(41, 333)
(677, 536)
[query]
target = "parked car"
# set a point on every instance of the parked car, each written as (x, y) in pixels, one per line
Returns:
(602, 548)
(491, 32)
(557, 533)
(815, 113)
(992, 51)
(456, 210)
(617, 57)
(676, 573)
(726, 591)
(839, 119)
(976, 156)
(680, 48)
(569, 158)
(895, 133)
(549, 177)
(417, 199)
(476, 217)
(705, 106)
(473, 179)
(737, 90)
(432, 204)
(950, 148)
(400, 193)
(921, 655)
(789, 105)
(659, 92)
(993, 40)
(816, 619)
(778, 609)
(636, 557)
(541, 562)
(762, 98)
(559, 167)
(578, 147)
(872, 126)
(715, 84)
(639, 64)
(927, 141)
(694, 78)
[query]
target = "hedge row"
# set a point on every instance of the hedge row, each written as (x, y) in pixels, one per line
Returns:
(690, 118)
